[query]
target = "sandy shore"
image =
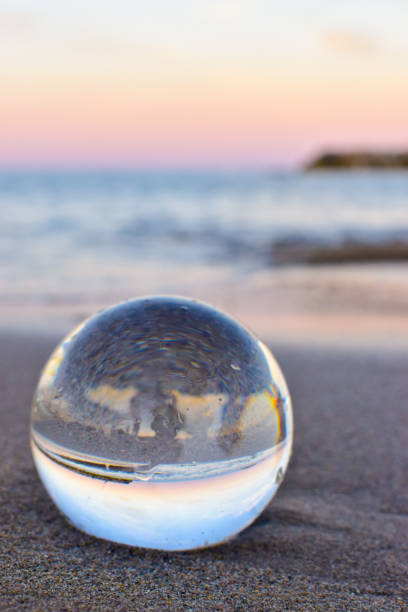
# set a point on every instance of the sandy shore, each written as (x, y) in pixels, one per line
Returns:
(334, 538)
(360, 306)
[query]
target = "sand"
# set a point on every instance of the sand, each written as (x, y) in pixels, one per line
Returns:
(334, 537)
(353, 306)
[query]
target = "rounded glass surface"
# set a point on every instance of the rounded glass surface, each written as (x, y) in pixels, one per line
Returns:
(161, 422)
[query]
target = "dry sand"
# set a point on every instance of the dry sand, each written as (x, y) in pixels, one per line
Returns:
(334, 538)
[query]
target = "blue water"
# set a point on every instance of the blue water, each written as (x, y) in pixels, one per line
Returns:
(88, 231)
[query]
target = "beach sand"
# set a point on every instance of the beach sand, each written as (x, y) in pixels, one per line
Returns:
(350, 306)
(334, 537)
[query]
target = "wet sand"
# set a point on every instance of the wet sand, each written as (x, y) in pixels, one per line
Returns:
(350, 306)
(334, 537)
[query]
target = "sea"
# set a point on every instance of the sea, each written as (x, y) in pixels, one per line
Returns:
(73, 235)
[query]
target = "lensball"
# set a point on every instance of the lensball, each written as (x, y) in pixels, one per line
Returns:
(161, 422)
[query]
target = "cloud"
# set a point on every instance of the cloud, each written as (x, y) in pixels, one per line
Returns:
(350, 42)
(18, 24)
(226, 12)
(94, 44)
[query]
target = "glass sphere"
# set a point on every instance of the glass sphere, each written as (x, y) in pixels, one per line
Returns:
(161, 422)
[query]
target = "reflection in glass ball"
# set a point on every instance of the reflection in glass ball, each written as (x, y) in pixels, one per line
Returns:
(161, 422)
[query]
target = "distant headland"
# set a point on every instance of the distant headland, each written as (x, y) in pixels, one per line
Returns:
(359, 160)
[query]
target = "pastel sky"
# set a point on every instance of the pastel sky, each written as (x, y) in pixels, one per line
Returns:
(199, 82)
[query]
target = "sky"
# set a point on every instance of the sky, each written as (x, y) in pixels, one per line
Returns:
(199, 83)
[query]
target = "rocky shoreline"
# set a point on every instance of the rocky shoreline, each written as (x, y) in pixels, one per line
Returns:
(347, 252)
(332, 160)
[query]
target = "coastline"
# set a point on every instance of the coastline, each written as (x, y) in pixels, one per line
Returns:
(346, 252)
(362, 306)
(359, 160)
(333, 537)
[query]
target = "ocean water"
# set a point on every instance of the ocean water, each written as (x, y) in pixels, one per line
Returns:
(79, 233)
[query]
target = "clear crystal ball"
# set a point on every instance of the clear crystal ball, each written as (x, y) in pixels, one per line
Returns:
(161, 422)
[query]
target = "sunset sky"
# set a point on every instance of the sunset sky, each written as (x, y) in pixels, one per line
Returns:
(209, 83)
